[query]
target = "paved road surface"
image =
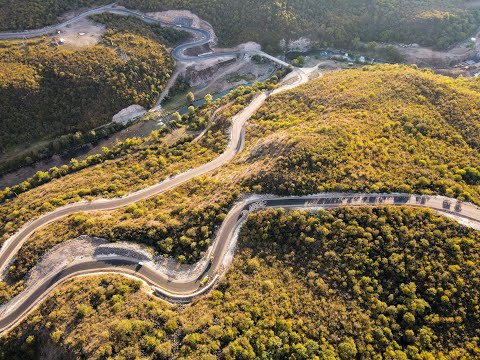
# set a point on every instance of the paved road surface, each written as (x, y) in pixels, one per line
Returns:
(184, 291)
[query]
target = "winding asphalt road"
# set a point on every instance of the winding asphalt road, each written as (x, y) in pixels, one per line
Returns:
(184, 291)
(204, 37)
(13, 244)
(19, 307)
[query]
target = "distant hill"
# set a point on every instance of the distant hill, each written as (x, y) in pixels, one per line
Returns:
(341, 23)
(32, 14)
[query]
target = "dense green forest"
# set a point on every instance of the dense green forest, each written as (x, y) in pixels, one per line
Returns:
(329, 23)
(49, 92)
(365, 283)
(34, 14)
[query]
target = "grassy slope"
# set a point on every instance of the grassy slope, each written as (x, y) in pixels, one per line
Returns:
(383, 282)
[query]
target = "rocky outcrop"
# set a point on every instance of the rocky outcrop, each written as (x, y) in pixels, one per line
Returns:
(198, 75)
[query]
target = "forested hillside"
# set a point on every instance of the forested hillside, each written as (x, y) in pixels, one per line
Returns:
(391, 283)
(329, 23)
(33, 14)
(49, 92)
(383, 128)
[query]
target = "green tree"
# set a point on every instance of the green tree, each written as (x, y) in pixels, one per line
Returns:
(190, 98)
(208, 99)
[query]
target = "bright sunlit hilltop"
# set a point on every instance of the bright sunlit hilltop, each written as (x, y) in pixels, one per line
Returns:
(381, 128)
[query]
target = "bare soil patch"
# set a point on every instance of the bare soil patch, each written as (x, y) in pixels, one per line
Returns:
(82, 33)
(225, 78)
(415, 54)
(172, 16)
